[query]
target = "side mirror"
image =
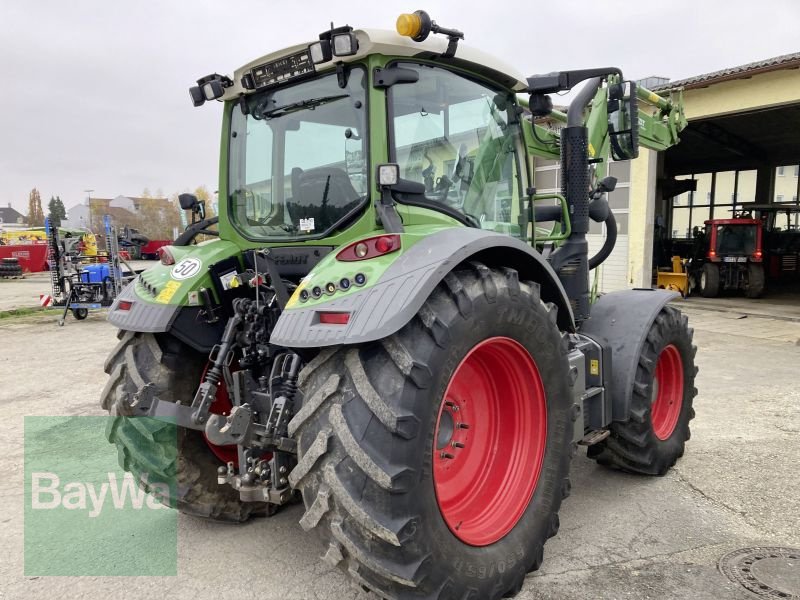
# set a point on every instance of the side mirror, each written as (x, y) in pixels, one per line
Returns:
(623, 120)
(190, 202)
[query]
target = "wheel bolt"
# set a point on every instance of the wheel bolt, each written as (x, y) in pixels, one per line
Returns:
(462, 425)
(452, 406)
(456, 444)
(446, 455)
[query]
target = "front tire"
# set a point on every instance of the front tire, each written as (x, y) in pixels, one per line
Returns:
(372, 444)
(655, 435)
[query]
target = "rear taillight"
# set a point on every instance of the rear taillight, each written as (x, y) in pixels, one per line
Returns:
(757, 254)
(334, 318)
(124, 305)
(712, 253)
(370, 248)
(165, 255)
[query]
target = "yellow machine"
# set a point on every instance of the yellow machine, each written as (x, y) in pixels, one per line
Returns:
(677, 280)
(89, 245)
(13, 237)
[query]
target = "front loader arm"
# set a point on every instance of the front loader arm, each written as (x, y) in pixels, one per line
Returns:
(660, 122)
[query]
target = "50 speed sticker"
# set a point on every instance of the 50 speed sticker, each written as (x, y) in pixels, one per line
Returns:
(188, 267)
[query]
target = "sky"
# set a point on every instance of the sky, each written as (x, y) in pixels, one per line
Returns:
(96, 93)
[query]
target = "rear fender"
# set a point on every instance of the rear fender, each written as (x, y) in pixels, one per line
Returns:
(620, 321)
(399, 291)
(160, 299)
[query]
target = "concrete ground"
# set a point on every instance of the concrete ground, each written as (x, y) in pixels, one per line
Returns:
(622, 536)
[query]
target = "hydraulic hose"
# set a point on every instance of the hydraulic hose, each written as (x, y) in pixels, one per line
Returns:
(608, 245)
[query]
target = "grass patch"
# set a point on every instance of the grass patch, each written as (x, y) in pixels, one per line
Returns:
(20, 312)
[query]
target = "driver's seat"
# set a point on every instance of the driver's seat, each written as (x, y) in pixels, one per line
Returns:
(324, 194)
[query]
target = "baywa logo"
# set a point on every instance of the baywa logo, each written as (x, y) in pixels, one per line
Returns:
(47, 493)
(83, 511)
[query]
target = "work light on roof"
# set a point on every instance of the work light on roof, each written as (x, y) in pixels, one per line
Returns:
(210, 87)
(320, 51)
(338, 41)
(345, 44)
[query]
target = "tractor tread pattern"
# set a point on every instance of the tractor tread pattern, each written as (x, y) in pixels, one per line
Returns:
(356, 539)
(632, 445)
(151, 450)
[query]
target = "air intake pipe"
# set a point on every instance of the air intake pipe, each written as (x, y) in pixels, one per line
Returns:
(571, 260)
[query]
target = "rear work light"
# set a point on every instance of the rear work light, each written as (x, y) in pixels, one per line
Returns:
(370, 248)
(165, 255)
(334, 318)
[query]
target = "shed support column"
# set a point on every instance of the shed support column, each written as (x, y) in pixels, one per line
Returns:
(765, 184)
(642, 217)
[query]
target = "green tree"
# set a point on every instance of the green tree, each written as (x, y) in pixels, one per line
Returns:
(56, 210)
(35, 212)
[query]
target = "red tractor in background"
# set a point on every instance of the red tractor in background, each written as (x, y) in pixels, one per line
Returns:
(728, 255)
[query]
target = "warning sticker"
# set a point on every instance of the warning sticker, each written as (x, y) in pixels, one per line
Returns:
(307, 224)
(226, 279)
(168, 292)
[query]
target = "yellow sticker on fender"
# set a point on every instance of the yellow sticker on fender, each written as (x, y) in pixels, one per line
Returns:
(168, 292)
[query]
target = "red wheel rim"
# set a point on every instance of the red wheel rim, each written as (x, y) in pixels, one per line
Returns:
(667, 392)
(222, 405)
(485, 473)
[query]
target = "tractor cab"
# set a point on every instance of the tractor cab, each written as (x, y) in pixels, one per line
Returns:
(734, 240)
(306, 128)
(728, 256)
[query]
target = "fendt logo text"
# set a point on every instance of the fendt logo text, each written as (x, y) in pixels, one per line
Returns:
(47, 493)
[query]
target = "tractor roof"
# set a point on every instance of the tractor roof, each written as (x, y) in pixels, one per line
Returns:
(389, 43)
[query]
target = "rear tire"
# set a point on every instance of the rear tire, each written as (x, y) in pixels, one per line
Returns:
(369, 438)
(755, 280)
(654, 437)
(709, 281)
(80, 313)
(147, 446)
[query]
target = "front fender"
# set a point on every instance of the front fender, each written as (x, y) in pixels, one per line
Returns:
(620, 321)
(398, 292)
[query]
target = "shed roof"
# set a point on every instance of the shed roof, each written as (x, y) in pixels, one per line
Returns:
(785, 61)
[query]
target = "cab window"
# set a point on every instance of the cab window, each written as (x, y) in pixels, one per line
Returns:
(454, 135)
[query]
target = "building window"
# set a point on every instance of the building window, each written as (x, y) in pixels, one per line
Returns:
(797, 170)
(780, 171)
(779, 198)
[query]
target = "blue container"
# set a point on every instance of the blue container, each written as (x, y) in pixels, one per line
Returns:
(95, 273)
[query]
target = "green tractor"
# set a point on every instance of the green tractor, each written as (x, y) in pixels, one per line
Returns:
(385, 325)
